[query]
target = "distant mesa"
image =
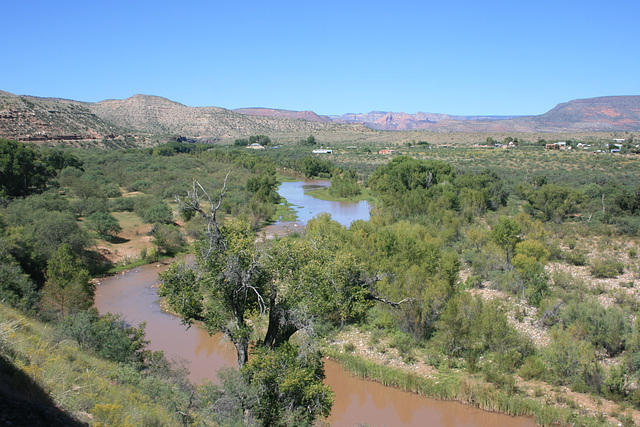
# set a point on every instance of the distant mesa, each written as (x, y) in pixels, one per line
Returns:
(603, 114)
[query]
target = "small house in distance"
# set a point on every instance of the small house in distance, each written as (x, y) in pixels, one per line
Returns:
(322, 151)
(256, 146)
(386, 151)
(562, 145)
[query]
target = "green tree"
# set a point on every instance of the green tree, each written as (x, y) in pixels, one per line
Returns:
(16, 288)
(264, 186)
(506, 233)
(292, 283)
(409, 186)
(68, 288)
(159, 212)
(290, 389)
(554, 202)
(105, 224)
(23, 170)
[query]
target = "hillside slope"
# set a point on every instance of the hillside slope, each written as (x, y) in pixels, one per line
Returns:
(26, 118)
(159, 115)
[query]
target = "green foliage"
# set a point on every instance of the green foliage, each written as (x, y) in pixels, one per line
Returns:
(310, 141)
(168, 238)
(554, 202)
(470, 327)
(289, 387)
(314, 167)
(605, 328)
(532, 368)
(23, 170)
(506, 233)
(108, 336)
(181, 290)
(105, 224)
(159, 212)
(575, 257)
(345, 185)
(68, 288)
(571, 361)
(264, 186)
(606, 268)
(16, 287)
(409, 186)
(416, 270)
(481, 192)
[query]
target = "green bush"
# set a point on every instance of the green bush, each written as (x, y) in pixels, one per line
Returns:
(606, 269)
(158, 213)
(105, 224)
(121, 204)
(575, 257)
(532, 368)
(168, 238)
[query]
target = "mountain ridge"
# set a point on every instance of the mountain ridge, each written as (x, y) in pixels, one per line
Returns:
(31, 118)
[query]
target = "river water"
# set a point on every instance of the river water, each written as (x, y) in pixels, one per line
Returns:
(308, 207)
(357, 401)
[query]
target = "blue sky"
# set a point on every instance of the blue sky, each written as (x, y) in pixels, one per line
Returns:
(457, 56)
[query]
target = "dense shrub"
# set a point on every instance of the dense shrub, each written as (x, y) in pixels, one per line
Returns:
(158, 213)
(108, 336)
(105, 224)
(606, 268)
(121, 204)
(575, 257)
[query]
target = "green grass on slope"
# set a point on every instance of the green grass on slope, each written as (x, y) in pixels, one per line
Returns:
(44, 381)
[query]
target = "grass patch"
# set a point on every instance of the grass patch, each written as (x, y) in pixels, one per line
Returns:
(323, 194)
(80, 384)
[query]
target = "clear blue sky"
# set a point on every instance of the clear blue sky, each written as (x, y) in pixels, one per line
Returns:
(455, 56)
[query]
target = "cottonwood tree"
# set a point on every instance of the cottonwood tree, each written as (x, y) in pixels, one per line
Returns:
(293, 283)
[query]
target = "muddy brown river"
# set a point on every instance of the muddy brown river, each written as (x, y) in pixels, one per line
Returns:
(357, 401)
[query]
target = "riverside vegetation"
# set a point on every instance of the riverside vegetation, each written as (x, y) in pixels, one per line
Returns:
(510, 275)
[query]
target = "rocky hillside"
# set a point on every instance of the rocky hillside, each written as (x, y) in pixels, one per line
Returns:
(41, 119)
(304, 115)
(29, 118)
(159, 115)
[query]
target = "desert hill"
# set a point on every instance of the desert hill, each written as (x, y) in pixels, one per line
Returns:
(29, 118)
(41, 119)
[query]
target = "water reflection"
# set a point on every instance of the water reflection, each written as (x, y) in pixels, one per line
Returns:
(307, 207)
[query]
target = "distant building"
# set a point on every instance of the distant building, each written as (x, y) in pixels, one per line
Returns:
(322, 151)
(386, 151)
(562, 145)
(256, 146)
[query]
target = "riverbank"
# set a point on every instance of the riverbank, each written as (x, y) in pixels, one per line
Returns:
(325, 194)
(547, 405)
